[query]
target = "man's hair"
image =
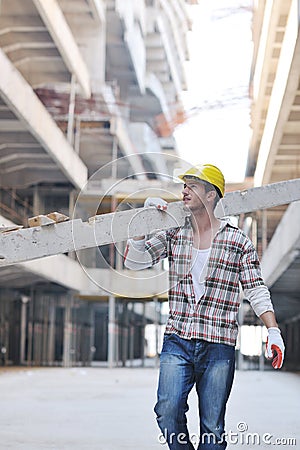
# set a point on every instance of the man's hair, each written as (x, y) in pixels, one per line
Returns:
(210, 187)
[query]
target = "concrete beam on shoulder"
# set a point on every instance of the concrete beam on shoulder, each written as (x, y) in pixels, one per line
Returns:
(59, 269)
(38, 242)
(259, 198)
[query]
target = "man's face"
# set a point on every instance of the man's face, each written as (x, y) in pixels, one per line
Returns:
(194, 195)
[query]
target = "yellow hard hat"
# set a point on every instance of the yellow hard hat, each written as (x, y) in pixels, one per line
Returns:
(209, 173)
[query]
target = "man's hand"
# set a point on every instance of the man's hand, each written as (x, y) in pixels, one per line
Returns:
(159, 203)
(275, 347)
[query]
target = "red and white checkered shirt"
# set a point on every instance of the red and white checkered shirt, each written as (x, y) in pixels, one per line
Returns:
(233, 261)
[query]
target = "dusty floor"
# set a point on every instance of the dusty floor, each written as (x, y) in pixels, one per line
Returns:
(102, 409)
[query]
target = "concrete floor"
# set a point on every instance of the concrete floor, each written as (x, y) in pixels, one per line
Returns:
(102, 409)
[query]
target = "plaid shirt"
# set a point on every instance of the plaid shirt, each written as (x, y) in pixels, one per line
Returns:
(233, 261)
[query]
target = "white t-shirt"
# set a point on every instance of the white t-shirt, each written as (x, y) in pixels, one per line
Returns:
(199, 269)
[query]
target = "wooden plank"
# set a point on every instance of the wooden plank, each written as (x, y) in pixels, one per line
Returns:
(7, 229)
(39, 221)
(58, 217)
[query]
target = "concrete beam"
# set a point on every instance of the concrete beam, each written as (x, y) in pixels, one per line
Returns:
(59, 269)
(65, 42)
(37, 242)
(17, 93)
(284, 247)
(259, 198)
(98, 10)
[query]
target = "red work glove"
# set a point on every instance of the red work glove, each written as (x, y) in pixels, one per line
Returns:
(159, 203)
(275, 347)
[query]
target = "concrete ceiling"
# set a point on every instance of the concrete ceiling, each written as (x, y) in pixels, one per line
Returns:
(274, 153)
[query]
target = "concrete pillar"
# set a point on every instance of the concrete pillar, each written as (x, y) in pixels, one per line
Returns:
(156, 323)
(264, 231)
(143, 335)
(30, 328)
(131, 335)
(24, 301)
(70, 130)
(111, 332)
(254, 232)
(124, 336)
(67, 334)
(261, 362)
(38, 202)
(51, 333)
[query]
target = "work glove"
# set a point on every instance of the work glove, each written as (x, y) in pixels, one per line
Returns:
(159, 203)
(275, 347)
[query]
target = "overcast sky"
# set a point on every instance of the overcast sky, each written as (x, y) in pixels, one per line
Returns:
(218, 74)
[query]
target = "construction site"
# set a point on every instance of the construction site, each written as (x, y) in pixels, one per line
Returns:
(90, 98)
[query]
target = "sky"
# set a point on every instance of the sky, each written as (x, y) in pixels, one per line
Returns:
(218, 74)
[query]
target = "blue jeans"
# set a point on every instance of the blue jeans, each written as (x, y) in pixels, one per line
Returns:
(183, 364)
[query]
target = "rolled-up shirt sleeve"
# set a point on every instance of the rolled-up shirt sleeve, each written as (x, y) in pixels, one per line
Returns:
(254, 288)
(259, 299)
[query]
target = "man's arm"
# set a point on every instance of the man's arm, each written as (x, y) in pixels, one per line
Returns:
(259, 297)
(137, 256)
(269, 319)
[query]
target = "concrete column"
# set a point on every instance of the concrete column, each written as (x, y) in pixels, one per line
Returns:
(124, 343)
(92, 333)
(51, 333)
(111, 332)
(30, 328)
(254, 232)
(38, 202)
(67, 334)
(264, 226)
(24, 301)
(131, 335)
(261, 361)
(156, 323)
(143, 334)
(70, 130)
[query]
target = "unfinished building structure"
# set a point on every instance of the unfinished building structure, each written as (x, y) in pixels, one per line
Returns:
(89, 91)
(275, 155)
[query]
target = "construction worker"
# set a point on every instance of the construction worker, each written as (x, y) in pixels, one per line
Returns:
(208, 261)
